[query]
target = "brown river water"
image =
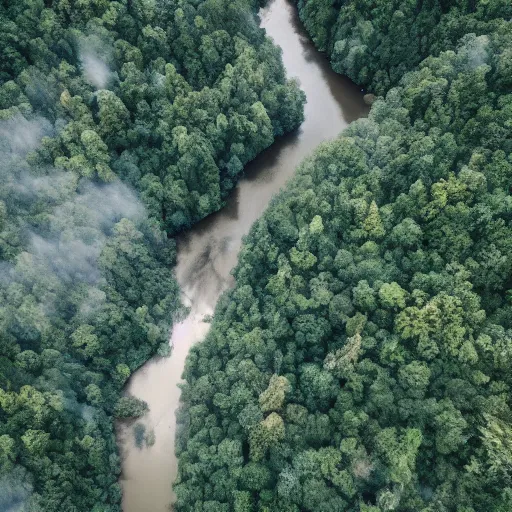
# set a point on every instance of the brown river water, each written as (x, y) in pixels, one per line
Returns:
(208, 252)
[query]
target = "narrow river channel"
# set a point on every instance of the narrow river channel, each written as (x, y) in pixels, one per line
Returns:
(208, 252)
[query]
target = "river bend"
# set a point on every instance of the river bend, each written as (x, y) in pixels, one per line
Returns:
(208, 252)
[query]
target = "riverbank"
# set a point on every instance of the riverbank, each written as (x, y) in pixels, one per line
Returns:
(208, 253)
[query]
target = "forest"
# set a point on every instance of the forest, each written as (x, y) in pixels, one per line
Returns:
(122, 123)
(362, 361)
(376, 42)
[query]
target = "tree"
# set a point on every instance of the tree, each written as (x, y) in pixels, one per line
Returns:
(7, 451)
(113, 117)
(399, 450)
(36, 442)
(272, 399)
(130, 407)
(495, 439)
(266, 434)
(392, 296)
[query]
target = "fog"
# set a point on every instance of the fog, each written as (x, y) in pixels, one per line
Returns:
(15, 489)
(474, 51)
(79, 229)
(94, 56)
(83, 215)
(19, 135)
(95, 70)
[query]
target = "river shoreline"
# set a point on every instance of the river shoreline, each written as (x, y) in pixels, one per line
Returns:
(208, 252)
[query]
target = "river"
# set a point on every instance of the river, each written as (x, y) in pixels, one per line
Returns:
(208, 252)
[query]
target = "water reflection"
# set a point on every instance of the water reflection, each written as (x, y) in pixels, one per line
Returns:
(208, 252)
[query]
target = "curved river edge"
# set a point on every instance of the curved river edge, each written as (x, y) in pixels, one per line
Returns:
(208, 252)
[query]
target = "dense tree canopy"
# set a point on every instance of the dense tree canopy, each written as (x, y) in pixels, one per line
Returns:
(174, 97)
(362, 361)
(168, 97)
(376, 42)
(86, 296)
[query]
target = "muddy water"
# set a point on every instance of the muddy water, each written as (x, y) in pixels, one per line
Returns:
(208, 252)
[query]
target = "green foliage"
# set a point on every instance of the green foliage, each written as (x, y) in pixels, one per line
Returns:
(130, 407)
(364, 354)
(272, 398)
(170, 98)
(375, 43)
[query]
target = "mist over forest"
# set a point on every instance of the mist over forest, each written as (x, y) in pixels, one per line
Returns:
(116, 132)
(362, 361)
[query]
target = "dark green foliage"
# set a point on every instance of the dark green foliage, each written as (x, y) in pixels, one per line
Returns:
(376, 42)
(172, 98)
(362, 362)
(139, 432)
(189, 92)
(130, 407)
(72, 330)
